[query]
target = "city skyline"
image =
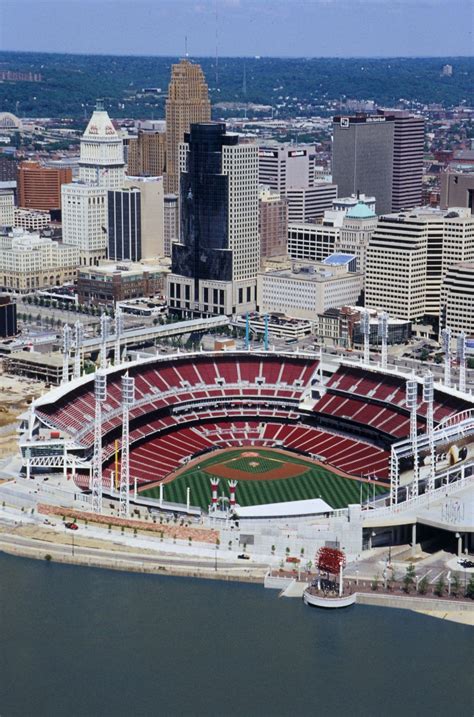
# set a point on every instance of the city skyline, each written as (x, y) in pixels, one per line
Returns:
(239, 28)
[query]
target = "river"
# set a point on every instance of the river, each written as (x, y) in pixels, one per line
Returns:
(84, 642)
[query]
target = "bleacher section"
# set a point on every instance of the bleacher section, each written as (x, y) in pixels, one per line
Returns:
(182, 380)
(161, 455)
(370, 399)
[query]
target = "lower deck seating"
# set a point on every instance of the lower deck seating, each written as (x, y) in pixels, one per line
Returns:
(161, 454)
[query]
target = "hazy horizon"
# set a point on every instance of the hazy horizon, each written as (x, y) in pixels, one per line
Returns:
(240, 28)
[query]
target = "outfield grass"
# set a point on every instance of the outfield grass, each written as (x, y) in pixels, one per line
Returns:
(317, 482)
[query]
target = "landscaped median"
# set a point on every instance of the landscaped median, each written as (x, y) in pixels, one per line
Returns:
(165, 530)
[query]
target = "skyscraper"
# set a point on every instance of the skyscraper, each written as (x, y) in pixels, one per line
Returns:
(362, 157)
(84, 220)
(273, 223)
(101, 162)
(124, 224)
(215, 263)
(147, 154)
(408, 146)
(40, 187)
(188, 103)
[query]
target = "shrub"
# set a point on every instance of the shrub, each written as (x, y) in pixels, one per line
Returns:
(439, 587)
(409, 578)
(375, 582)
(48, 557)
(423, 585)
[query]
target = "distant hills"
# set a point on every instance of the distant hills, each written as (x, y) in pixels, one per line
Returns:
(303, 86)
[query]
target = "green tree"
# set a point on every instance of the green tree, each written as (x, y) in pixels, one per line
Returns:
(423, 585)
(469, 593)
(439, 587)
(455, 586)
(375, 582)
(409, 578)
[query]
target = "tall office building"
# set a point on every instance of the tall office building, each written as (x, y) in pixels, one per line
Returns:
(408, 148)
(457, 299)
(170, 222)
(362, 157)
(40, 187)
(124, 224)
(84, 220)
(147, 154)
(457, 189)
(101, 160)
(215, 263)
(188, 103)
(410, 254)
(281, 166)
(290, 170)
(7, 208)
(152, 214)
(273, 223)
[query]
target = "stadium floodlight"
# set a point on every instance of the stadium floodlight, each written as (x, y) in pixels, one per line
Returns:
(67, 345)
(100, 394)
(365, 329)
(383, 335)
(461, 355)
(118, 333)
(428, 398)
(446, 342)
(104, 336)
(128, 398)
(412, 404)
(78, 341)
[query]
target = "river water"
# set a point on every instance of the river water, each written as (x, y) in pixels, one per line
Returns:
(86, 642)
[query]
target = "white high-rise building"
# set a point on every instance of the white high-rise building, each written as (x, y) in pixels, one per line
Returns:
(7, 208)
(84, 220)
(409, 255)
(151, 214)
(102, 158)
(28, 261)
(357, 228)
(457, 299)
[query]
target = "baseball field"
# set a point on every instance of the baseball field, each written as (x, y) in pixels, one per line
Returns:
(264, 476)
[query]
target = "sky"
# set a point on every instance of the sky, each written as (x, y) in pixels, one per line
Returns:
(298, 28)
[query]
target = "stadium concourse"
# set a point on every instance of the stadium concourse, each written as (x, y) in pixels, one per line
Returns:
(344, 416)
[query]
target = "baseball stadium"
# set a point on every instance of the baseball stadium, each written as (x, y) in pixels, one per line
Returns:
(249, 428)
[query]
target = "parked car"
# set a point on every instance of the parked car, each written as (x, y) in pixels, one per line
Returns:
(71, 526)
(242, 556)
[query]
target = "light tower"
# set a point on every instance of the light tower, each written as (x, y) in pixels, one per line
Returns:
(265, 335)
(78, 340)
(412, 402)
(446, 341)
(100, 393)
(118, 334)
(128, 398)
(104, 335)
(383, 335)
(67, 345)
(365, 328)
(428, 398)
(461, 354)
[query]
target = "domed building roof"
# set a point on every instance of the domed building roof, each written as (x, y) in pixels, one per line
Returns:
(360, 211)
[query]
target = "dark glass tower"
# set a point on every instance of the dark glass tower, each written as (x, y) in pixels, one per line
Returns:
(124, 224)
(203, 251)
